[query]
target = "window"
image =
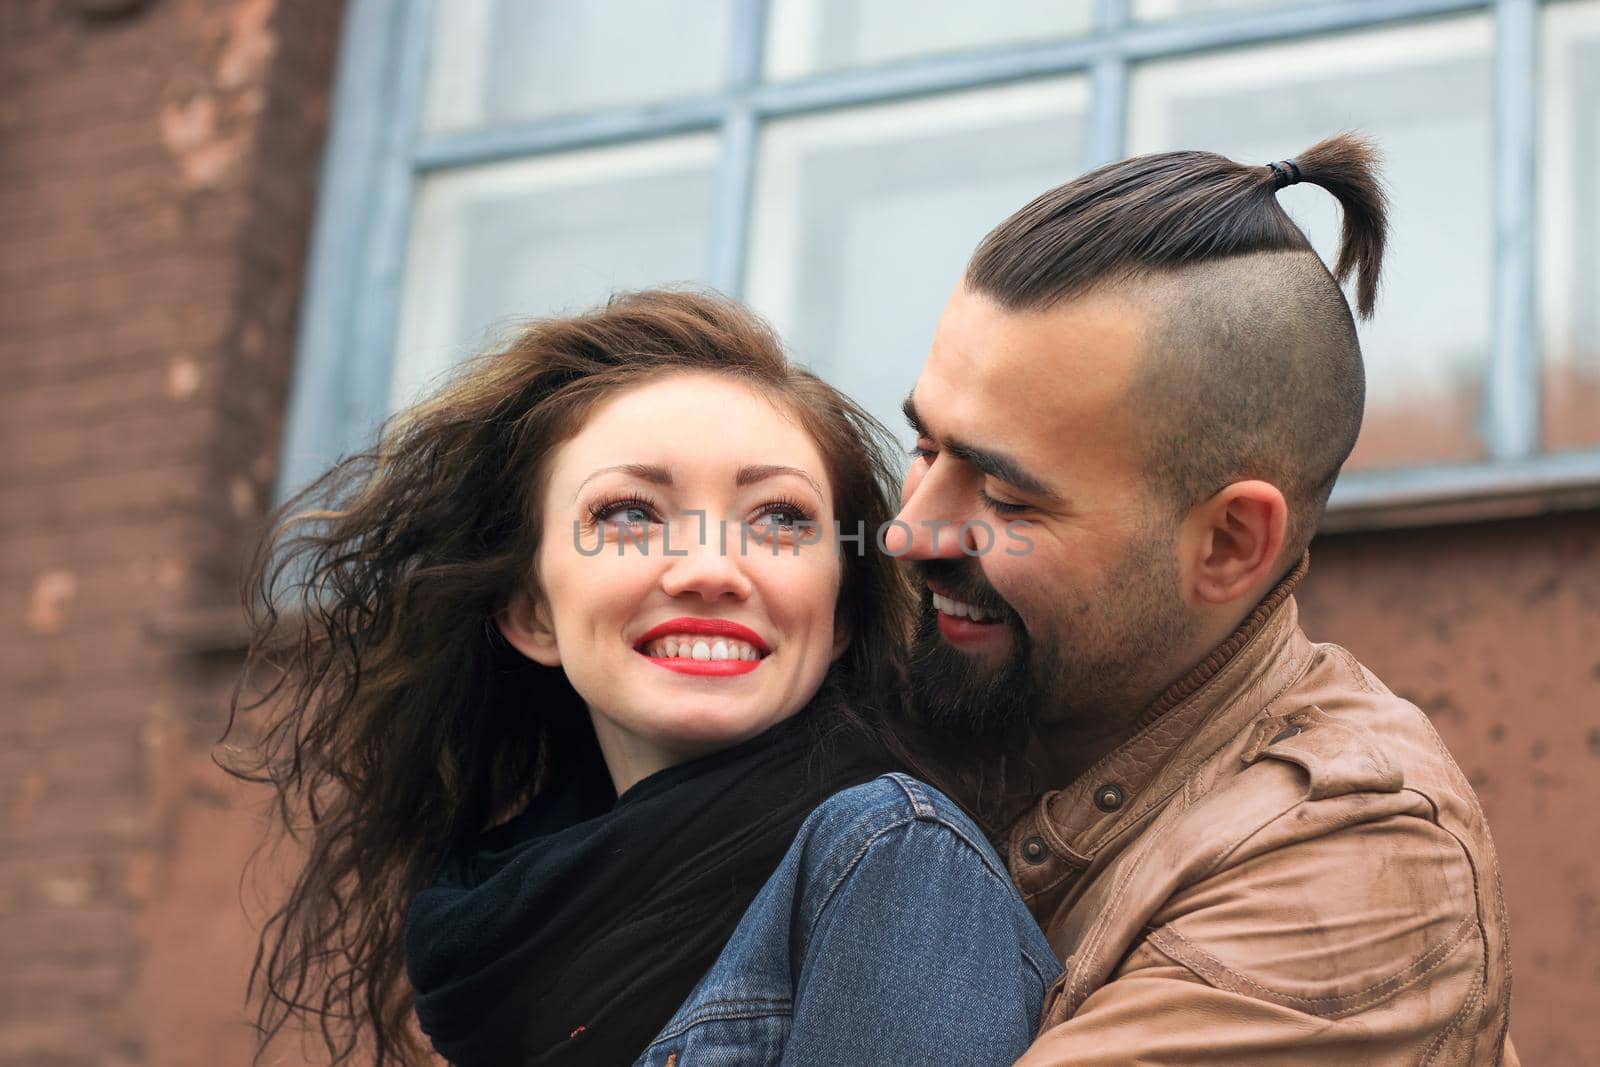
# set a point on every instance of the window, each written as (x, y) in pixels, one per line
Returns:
(835, 162)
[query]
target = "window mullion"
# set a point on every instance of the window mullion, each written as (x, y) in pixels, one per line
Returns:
(736, 170)
(1511, 398)
(1108, 100)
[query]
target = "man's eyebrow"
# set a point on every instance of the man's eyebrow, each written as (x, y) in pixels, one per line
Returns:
(995, 464)
(643, 471)
(756, 472)
(908, 407)
(1001, 466)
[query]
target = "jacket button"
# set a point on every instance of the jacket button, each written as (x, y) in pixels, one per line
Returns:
(1035, 851)
(1108, 797)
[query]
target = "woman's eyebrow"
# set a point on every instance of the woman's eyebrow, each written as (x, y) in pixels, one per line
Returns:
(748, 475)
(753, 473)
(644, 471)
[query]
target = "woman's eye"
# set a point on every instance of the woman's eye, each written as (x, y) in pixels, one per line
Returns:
(625, 514)
(781, 517)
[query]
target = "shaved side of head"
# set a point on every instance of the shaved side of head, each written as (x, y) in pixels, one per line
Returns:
(1250, 369)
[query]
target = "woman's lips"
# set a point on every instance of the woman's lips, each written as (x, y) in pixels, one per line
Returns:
(710, 629)
(704, 627)
(713, 668)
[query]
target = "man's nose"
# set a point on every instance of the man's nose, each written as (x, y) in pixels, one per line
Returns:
(709, 567)
(930, 523)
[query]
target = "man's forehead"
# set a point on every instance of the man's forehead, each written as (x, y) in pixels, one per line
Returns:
(1055, 368)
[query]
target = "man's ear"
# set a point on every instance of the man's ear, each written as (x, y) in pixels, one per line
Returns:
(525, 624)
(1232, 541)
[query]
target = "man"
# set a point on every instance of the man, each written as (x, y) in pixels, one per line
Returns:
(1246, 850)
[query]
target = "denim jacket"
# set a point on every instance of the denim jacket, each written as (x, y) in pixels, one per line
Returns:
(891, 933)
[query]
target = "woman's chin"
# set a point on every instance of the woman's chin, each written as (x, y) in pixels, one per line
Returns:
(706, 726)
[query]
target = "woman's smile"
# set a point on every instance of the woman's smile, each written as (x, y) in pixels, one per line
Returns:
(712, 648)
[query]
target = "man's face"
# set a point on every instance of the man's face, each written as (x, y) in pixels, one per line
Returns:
(1028, 416)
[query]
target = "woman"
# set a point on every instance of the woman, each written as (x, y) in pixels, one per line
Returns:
(578, 660)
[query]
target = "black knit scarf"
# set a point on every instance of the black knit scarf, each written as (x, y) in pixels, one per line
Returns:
(572, 933)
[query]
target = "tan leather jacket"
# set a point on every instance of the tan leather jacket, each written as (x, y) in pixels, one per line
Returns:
(1283, 866)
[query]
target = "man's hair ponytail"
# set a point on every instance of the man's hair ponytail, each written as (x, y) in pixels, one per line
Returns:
(1347, 167)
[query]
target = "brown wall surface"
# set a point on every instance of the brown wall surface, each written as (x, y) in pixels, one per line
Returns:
(1493, 629)
(157, 175)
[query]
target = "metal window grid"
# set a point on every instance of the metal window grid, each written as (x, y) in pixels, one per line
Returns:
(377, 152)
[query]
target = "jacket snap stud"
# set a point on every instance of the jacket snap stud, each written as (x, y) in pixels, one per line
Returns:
(1286, 733)
(1108, 797)
(1034, 850)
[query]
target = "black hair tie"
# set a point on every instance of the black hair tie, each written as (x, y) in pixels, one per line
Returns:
(1287, 171)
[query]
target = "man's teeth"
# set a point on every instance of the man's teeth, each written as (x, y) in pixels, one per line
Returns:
(962, 611)
(688, 647)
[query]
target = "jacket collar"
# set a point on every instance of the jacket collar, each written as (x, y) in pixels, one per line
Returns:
(1065, 829)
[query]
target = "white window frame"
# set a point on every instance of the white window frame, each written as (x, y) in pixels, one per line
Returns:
(378, 151)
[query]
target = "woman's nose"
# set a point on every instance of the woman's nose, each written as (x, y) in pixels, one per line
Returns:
(707, 567)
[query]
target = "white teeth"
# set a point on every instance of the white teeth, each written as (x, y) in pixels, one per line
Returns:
(960, 610)
(687, 646)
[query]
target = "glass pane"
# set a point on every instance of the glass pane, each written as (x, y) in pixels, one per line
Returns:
(503, 60)
(812, 36)
(1423, 93)
(1569, 233)
(864, 221)
(1158, 10)
(557, 234)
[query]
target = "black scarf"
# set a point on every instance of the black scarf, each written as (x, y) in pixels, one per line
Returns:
(572, 933)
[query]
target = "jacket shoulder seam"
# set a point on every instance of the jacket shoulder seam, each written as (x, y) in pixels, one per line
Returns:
(902, 820)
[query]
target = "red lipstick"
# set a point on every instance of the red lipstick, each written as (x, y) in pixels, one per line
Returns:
(707, 627)
(714, 668)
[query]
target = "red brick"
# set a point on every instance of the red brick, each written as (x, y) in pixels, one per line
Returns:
(100, 932)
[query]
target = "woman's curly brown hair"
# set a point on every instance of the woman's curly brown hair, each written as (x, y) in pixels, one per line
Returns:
(397, 723)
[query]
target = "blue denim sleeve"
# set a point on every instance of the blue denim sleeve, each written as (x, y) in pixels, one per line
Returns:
(889, 934)
(911, 943)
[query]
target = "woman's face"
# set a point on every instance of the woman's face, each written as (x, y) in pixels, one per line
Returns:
(687, 571)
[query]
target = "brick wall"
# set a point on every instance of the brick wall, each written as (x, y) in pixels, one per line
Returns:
(157, 174)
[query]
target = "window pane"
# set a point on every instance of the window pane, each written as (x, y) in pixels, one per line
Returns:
(504, 60)
(811, 36)
(1569, 194)
(1423, 93)
(1158, 10)
(546, 236)
(864, 221)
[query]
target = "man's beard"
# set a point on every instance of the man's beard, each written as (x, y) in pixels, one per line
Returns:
(957, 697)
(1090, 667)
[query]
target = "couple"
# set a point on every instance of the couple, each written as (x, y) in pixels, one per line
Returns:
(633, 722)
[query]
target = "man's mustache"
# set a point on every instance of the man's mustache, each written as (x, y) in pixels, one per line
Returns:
(963, 581)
